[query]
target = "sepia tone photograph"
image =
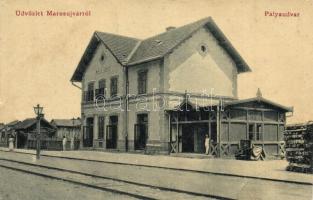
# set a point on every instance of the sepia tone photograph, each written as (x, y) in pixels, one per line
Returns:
(143, 99)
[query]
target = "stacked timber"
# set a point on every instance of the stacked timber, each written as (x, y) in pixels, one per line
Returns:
(299, 147)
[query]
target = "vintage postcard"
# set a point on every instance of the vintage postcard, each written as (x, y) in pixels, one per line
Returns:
(143, 99)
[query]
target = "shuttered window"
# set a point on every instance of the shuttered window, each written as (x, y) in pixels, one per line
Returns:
(142, 82)
(114, 85)
(101, 127)
(100, 92)
(89, 95)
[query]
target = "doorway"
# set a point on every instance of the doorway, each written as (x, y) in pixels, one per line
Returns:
(88, 133)
(111, 136)
(200, 131)
(141, 132)
(193, 137)
(187, 138)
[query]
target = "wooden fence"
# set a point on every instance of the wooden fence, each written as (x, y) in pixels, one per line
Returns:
(52, 144)
(228, 149)
(275, 149)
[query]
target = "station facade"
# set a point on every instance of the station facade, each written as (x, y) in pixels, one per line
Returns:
(165, 93)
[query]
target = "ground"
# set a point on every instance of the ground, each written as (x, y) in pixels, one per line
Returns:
(185, 178)
(16, 185)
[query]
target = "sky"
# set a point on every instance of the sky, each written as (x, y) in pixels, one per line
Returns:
(39, 54)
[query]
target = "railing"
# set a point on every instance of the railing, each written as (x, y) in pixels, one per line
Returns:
(280, 144)
(100, 93)
(173, 147)
(52, 144)
(224, 149)
(4, 144)
(228, 149)
(4, 140)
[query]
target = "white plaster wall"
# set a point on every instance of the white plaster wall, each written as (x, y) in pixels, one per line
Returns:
(103, 70)
(96, 71)
(113, 110)
(153, 77)
(153, 120)
(187, 69)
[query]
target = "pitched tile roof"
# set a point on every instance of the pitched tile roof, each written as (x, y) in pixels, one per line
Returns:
(26, 123)
(131, 51)
(229, 102)
(30, 122)
(65, 122)
(259, 99)
(120, 46)
(13, 123)
(157, 46)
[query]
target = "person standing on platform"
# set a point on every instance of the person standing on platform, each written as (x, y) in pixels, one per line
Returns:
(64, 141)
(207, 144)
(11, 143)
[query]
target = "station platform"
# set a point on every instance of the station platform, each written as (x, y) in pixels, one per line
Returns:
(268, 170)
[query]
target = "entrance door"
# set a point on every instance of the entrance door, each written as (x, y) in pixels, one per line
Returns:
(141, 131)
(200, 132)
(187, 138)
(88, 133)
(111, 137)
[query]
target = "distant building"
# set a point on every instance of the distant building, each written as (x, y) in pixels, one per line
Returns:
(2, 126)
(69, 128)
(8, 131)
(2, 135)
(164, 93)
(26, 131)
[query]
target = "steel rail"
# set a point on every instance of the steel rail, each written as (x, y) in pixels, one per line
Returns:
(174, 169)
(107, 178)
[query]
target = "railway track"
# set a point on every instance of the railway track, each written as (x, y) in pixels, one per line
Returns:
(169, 168)
(108, 184)
(150, 182)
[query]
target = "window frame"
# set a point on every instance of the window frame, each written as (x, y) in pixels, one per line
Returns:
(101, 127)
(256, 132)
(101, 90)
(111, 86)
(90, 94)
(140, 89)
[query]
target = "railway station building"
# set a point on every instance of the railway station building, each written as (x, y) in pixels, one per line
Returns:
(163, 94)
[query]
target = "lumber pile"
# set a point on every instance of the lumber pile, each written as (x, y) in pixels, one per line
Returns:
(299, 147)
